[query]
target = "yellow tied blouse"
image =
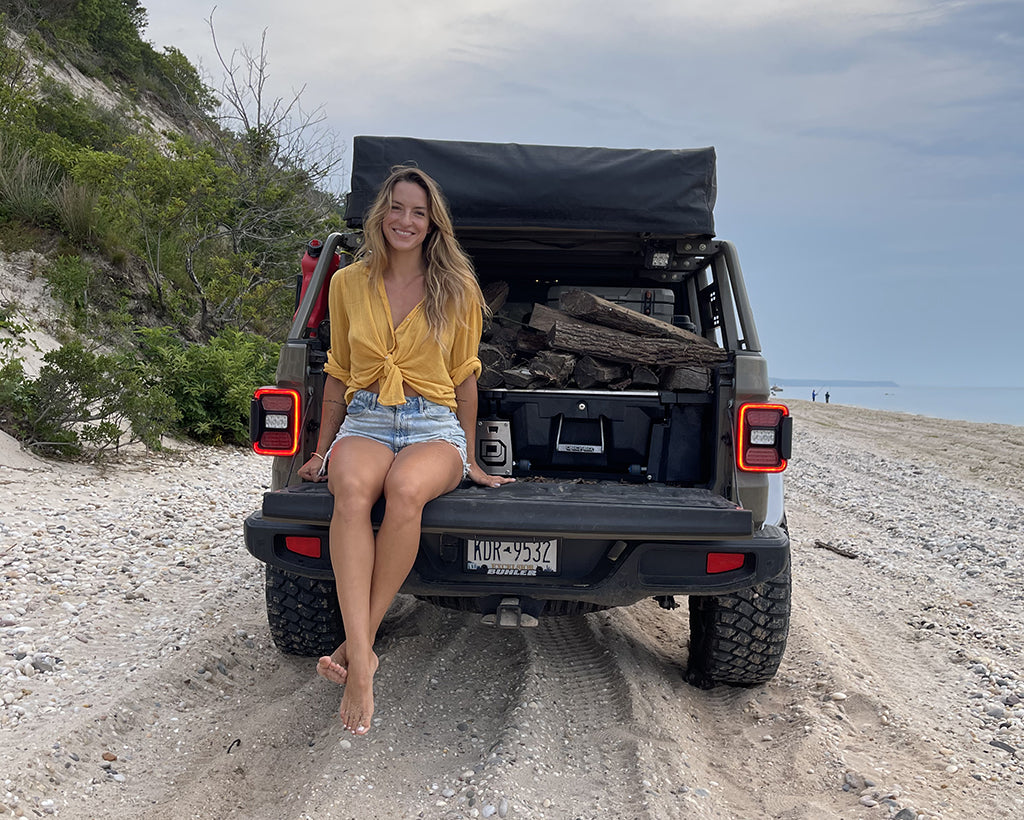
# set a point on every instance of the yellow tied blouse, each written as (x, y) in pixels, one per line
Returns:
(365, 347)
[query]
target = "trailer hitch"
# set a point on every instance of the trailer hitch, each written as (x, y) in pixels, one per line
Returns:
(509, 615)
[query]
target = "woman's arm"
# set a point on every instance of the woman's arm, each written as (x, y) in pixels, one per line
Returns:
(466, 403)
(331, 416)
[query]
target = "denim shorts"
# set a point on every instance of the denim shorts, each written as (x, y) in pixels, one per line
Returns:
(418, 420)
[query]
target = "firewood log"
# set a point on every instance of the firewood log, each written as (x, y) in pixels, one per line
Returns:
(591, 308)
(530, 341)
(520, 378)
(495, 294)
(493, 357)
(543, 318)
(644, 377)
(504, 337)
(591, 372)
(555, 369)
(686, 378)
(574, 336)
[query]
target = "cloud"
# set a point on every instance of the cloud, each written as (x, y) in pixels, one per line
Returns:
(865, 146)
(778, 64)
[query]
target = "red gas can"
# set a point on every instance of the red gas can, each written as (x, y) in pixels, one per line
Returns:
(309, 261)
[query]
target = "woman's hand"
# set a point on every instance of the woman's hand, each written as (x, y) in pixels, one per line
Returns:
(310, 471)
(478, 476)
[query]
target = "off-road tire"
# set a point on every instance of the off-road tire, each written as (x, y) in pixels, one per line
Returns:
(739, 639)
(303, 614)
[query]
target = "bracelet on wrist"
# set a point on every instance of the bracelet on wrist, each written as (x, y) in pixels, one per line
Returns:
(319, 456)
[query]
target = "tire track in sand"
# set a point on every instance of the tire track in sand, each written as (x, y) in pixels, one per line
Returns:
(442, 691)
(567, 746)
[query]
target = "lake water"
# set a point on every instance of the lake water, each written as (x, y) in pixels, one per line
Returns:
(1001, 405)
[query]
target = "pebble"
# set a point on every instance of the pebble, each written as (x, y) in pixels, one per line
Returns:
(970, 570)
(102, 564)
(132, 571)
(852, 781)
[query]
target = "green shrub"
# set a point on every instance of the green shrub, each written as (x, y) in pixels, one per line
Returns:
(178, 81)
(79, 120)
(212, 384)
(15, 331)
(26, 186)
(17, 101)
(83, 403)
(22, 418)
(16, 235)
(76, 211)
(70, 278)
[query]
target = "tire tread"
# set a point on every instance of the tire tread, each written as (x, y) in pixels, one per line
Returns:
(303, 614)
(739, 639)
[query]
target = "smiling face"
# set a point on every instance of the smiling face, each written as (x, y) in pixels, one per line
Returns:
(407, 223)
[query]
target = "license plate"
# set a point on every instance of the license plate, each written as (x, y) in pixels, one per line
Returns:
(512, 556)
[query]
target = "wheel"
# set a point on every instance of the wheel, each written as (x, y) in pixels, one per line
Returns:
(739, 639)
(303, 614)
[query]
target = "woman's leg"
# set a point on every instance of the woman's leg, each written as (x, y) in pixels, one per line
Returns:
(357, 471)
(419, 473)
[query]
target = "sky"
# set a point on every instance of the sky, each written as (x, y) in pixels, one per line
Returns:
(870, 152)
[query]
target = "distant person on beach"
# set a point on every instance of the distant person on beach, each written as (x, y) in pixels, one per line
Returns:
(826, 397)
(814, 395)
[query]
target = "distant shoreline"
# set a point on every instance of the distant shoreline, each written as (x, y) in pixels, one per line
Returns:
(831, 383)
(1006, 414)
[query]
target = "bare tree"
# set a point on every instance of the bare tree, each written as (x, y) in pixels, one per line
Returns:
(284, 160)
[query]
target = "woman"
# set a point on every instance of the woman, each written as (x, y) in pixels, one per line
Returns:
(399, 411)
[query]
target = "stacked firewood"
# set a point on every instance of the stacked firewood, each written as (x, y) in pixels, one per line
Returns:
(590, 344)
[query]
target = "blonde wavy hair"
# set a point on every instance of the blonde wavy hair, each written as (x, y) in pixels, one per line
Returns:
(450, 284)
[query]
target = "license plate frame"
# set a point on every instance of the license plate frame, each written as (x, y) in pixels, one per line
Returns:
(513, 557)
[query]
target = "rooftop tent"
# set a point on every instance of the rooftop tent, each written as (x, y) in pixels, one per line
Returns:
(506, 185)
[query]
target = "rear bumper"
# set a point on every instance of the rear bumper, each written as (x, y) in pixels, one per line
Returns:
(618, 543)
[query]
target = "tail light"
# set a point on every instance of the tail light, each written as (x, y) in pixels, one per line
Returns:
(724, 561)
(307, 545)
(764, 437)
(274, 421)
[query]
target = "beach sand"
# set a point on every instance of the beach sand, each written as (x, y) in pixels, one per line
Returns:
(138, 678)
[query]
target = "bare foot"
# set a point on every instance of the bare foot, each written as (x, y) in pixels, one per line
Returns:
(357, 703)
(333, 667)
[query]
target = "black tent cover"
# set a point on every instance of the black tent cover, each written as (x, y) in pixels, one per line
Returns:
(506, 185)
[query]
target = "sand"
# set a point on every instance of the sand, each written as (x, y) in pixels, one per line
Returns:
(159, 694)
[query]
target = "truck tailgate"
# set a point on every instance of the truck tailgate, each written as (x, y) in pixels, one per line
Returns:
(597, 509)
